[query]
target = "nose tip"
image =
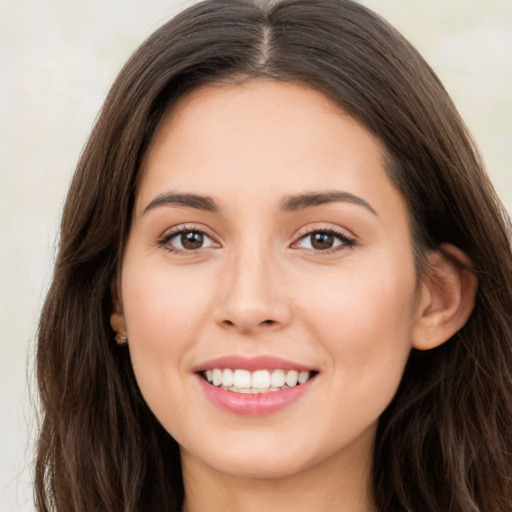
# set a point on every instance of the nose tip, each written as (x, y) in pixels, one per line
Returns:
(252, 299)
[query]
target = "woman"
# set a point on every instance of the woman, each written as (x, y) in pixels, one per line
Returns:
(282, 220)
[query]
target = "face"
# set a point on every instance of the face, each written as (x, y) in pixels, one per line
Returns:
(269, 254)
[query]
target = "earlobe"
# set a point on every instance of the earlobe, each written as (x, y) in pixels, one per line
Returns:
(117, 320)
(447, 298)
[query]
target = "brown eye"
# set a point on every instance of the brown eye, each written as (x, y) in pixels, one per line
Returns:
(191, 240)
(187, 240)
(322, 241)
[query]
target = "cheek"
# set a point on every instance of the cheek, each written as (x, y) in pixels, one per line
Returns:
(163, 314)
(159, 300)
(364, 323)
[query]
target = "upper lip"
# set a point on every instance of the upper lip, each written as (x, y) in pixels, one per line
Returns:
(253, 363)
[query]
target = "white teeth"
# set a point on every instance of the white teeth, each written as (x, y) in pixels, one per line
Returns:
(277, 379)
(227, 378)
(242, 379)
(260, 381)
(303, 377)
(217, 377)
(291, 378)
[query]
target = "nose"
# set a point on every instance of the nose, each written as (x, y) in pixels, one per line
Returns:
(252, 295)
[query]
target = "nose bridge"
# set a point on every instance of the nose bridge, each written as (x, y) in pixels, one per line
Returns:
(252, 295)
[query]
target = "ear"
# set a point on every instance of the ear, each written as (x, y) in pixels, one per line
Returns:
(447, 298)
(117, 320)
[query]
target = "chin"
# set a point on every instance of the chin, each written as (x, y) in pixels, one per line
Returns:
(263, 467)
(277, 458)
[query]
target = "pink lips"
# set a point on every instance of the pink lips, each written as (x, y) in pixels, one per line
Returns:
(252, 363)
(253, 404)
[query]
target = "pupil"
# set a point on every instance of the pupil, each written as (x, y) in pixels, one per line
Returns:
(192, 240)
(322, 241)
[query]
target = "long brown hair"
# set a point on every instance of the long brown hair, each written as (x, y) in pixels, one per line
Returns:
(445, 442)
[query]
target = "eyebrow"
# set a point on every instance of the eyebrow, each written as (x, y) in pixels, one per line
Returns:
(191, 200)
(309, 200)
(289, 204)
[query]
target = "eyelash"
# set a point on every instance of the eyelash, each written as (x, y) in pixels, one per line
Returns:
(164, 241)
(346, 241)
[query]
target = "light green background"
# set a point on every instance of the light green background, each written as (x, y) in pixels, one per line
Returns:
(57, 60)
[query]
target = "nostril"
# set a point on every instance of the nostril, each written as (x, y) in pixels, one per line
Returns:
(247, 326)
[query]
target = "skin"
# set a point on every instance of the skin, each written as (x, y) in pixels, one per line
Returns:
(257, 286)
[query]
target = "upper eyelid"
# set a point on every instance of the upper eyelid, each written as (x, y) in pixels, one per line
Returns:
(183, 228)
(330, 228)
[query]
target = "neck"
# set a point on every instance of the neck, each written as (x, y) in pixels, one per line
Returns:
(340, 483)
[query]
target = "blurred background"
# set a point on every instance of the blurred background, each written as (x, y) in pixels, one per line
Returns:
(57, 61)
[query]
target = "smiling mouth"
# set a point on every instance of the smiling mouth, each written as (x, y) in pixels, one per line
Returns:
(256, 382)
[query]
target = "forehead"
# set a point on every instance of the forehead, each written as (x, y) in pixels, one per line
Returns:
(261, 137)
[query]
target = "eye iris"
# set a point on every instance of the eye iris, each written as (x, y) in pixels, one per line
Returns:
(192, 240)
(322, 241)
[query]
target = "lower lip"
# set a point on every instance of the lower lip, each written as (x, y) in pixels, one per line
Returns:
(254, 404)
